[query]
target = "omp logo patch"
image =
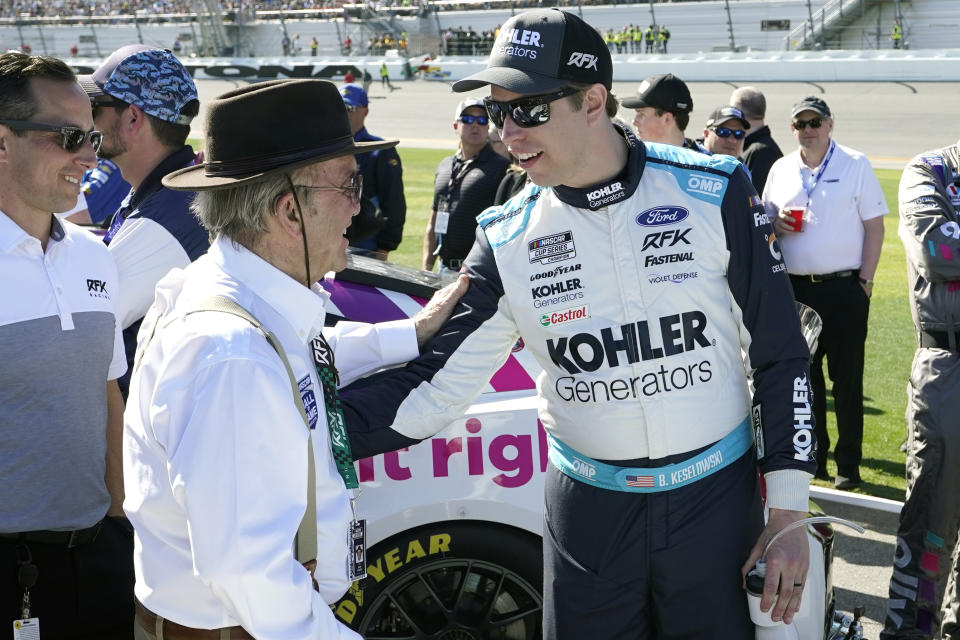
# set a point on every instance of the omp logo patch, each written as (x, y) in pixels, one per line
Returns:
(705, 185)
(582, 60)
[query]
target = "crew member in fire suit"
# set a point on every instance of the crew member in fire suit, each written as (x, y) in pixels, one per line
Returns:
(638, 276)
(925, 561)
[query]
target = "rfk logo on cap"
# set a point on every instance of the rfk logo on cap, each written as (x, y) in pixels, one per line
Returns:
(582, 60)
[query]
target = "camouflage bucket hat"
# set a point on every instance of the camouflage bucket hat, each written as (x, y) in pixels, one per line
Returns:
(152, 79)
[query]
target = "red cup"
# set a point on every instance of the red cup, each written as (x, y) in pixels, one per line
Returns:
(796, 218)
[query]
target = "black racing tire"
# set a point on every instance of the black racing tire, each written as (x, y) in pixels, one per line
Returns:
(460, 580)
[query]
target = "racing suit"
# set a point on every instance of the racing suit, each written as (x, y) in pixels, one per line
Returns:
(646, 299)
(925, 561)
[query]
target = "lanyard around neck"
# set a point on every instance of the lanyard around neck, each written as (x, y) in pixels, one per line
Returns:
(323, 360)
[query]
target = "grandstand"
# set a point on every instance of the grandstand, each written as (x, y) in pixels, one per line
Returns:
(236, 28)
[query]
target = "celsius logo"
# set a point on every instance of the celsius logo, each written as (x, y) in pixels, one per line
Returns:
(705, 185)
(565, 316)
(774, 247)
(659, 216)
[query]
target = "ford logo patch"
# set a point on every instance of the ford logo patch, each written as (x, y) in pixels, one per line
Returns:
(659, 216)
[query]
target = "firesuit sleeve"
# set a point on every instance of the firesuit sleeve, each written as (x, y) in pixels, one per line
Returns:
(777, 355)
(390, 197)
(928, 228)
(403, 406)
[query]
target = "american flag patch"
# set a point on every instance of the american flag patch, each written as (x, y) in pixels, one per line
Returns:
(755, 201)
(639, 481)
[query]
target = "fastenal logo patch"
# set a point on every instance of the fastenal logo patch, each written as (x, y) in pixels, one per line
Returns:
(706, 185)
(549, 249)
(659, 216)
(567, 315)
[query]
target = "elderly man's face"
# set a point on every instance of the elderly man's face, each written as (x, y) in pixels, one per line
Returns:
(723, 138)
(325, 193)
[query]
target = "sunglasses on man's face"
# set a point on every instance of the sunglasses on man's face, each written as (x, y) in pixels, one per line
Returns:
(468, 119)
(71, 138)
(531, 111)
(813, 123)
(726, 132)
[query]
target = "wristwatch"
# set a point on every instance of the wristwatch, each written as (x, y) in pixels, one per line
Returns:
(866, 282)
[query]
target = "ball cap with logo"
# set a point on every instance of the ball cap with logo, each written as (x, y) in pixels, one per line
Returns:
(465, 104)
(150, 78)
(663, 91)
(354, 95)
(542, 51)
(811, 103)
(723, 114)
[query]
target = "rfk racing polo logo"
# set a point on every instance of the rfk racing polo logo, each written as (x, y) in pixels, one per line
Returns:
(605, 195)
(555, 248)
(97, 288)
(522, 43)
(660, 216)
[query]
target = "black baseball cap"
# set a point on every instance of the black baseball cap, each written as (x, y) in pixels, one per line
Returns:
(663, 91)
(811, 103)
(722, 114)
(541, 51)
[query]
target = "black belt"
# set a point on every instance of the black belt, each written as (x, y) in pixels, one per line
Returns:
(938, 340)
(70, 539)
(823, 277)
(452, 264)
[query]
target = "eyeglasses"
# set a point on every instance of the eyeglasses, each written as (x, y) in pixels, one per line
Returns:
(468, 119)
(351, 108)
(531, 111)
(813, 123)
(71, 138)
(726, 132)
(351, 189)
(102, 104)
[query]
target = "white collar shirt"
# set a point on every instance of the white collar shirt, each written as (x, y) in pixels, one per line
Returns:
(846, 194)
(60, 343)
(215, 451)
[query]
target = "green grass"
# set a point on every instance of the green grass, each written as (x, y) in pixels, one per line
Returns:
(890, 343)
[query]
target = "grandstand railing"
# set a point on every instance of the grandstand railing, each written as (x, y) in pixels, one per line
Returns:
(813, 32)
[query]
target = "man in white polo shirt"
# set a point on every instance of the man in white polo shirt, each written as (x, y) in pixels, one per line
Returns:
(63, 562)
(831, 249)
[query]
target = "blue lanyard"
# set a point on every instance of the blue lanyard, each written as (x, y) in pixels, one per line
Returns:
(816, 179)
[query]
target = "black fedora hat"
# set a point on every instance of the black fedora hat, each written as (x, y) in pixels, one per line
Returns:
(268, 127)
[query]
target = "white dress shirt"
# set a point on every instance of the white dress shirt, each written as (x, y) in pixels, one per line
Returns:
(215, 451)
(847, 194)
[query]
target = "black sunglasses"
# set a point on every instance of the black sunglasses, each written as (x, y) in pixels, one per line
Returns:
(726, 132)
(813, 123)
(531, 111)
(71, 138)
(351, 189)
(468, 119)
